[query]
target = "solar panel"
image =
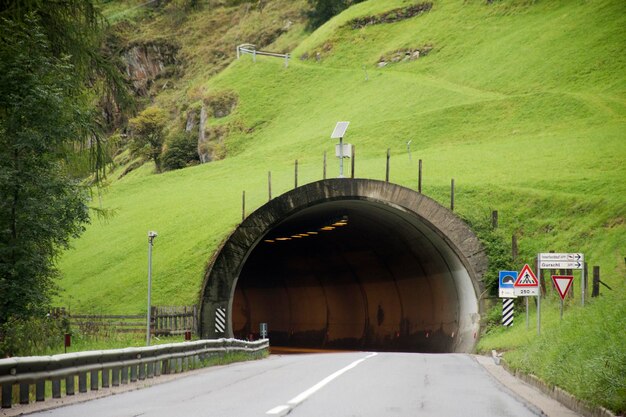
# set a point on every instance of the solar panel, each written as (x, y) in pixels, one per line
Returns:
(340, 130)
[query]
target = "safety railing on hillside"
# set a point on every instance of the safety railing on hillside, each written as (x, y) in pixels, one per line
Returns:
(250, 49)
(108, 368)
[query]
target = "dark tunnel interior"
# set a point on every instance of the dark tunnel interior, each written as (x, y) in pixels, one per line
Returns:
(355, 275)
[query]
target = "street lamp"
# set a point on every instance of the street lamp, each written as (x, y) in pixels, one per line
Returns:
(338, 133)
(151, 236)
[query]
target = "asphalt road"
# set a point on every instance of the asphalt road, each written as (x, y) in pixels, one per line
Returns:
(333, 384)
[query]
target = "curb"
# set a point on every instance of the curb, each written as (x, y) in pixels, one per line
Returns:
(556, 393)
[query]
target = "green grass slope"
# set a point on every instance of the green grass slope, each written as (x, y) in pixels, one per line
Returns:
(523, 103)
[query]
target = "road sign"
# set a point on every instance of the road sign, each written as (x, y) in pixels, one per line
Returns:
(506, 284)
(562, 284)
(526, 284)
(561, 265)
(562, 257)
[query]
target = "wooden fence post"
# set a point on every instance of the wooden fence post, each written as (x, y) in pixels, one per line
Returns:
(419, 177)
(452, 195)
(296, 174)
(324, 164)
(387, 169)
(352, 161)
(269, 185)
(514, 246)
(494, 219)
(595, 291)
(243, 206)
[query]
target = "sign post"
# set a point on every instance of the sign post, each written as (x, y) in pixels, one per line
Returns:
(506, 291)
(562, 283)
(527, 285)
(565, 261)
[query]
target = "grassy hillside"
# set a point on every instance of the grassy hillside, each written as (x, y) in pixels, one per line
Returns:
(523, 103)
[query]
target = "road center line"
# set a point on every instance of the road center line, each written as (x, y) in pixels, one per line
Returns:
(306, 394)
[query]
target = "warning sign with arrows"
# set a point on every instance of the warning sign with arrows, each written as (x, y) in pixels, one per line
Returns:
(526, 284)
(562, 284)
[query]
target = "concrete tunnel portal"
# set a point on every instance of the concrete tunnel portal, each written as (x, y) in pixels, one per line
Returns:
(349, 264)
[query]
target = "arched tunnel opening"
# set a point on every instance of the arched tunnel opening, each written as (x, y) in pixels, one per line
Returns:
(348, 268)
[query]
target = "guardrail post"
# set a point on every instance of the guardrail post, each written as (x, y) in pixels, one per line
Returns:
(142, 371)
(7, 395)
(40, 390)
(124, 375)
(179, 365)
(24, 393)
(69, 385)
(158, 366)
(105, 378)
(150, 370)
(115, 377)
(82, 382)
(94, 382)
(56, 388)
(133, 373)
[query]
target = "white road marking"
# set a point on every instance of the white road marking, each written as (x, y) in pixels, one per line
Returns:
(306, 394)
(278, 410)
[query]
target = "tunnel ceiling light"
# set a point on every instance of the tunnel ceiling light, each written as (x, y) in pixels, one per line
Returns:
(297, 236)
(312, 233)
(326, 228)
(283, 238)
(269, 241)
(341, 223)
(303, 234)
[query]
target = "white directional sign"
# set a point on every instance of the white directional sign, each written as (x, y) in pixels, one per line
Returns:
(561, 261)
(562, 257)
(561, 265)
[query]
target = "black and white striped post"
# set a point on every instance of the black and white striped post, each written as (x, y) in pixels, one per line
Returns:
(507, 311)
(220, 320)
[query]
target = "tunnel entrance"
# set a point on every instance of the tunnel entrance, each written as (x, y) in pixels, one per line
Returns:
(349, 264)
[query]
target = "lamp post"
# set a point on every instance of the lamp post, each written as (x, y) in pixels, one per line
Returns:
(151, 236)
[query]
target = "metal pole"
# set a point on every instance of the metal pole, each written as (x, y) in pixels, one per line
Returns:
(527, 324)
(269, 184)
(538, 298)
(151, 236)
(583, 283)
(340, 157)
(296, 174)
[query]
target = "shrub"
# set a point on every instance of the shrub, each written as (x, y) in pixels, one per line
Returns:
(181, 151)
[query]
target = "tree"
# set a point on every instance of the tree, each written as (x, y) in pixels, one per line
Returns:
(41, 206)
(148, 134)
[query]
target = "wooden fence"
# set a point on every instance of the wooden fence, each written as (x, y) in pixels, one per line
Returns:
(164, 320)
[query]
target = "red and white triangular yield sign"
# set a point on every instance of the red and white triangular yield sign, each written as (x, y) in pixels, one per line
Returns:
(562, 284)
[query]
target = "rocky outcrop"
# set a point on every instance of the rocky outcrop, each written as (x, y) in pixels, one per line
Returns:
(400, 55)
(391, 16)
(211, 138)
(148, 61)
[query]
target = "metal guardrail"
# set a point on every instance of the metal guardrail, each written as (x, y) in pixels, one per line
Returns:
(248, 48)
(111, 367)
